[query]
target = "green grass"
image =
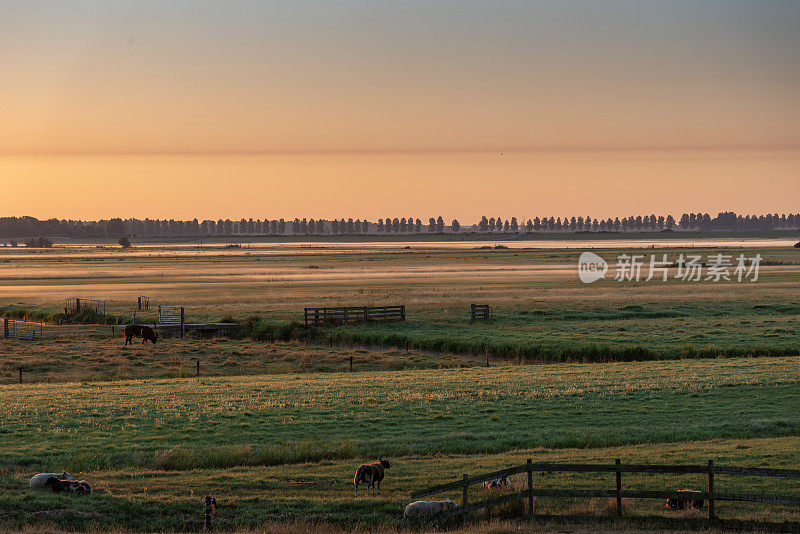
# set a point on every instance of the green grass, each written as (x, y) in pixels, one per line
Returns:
(321, 492)
(541, 311)
(267, 420)
(274, 429)
(103, 358)
(646, 331)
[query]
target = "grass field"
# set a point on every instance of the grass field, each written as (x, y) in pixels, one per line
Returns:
(275, 429)
(102, 358)
(542, 311)
(275, 419)
(321, 492)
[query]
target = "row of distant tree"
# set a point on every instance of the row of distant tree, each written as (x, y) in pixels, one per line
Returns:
(21, 227)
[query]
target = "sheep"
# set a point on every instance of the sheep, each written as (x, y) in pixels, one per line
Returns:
(371, 474)
(40, 480)
(80, 487)
(425, 509)
(687, 503)
(497, 483)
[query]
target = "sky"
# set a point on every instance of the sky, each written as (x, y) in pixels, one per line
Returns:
(369, 108)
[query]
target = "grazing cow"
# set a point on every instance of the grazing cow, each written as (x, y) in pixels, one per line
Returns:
(688, 501)
(425, 509)
(139, 330)
(497, 483)
(40, 480)
(371, 474)
(81, 487)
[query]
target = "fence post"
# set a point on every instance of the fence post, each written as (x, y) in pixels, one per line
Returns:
(618, 464)
(181, 322)
(366, 314)
(77, 306)
(351, 364)
(403, 312)
(406, 344)
(711, 511)
(20, 375)
(465, 497)
(487, 355)
(140, 304)
(530, 488)
(5, 328)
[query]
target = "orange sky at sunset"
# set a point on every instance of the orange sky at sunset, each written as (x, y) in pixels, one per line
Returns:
(374, 108)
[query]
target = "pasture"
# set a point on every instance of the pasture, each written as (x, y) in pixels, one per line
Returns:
(654, 372)
(542, 312)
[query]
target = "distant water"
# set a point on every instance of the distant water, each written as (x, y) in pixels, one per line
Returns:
(316, 247)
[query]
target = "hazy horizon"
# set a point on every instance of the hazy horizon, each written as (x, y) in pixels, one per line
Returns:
(284, 109)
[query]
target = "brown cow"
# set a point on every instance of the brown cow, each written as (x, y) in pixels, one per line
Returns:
(139, 330)
(371, 474)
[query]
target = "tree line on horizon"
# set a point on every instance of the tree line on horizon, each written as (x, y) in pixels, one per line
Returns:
(30, 227)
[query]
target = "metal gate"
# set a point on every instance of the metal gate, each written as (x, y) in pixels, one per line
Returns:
(20, 329)
(170, 315)
(75, 306)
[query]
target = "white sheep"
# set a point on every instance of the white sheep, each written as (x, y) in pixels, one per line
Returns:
(425, 509)
(40, 480)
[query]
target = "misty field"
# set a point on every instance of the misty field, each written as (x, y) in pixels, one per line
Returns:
(541, 311)
(657, 372)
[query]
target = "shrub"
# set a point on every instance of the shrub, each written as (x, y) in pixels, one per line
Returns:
(124, 242)
(40, 242)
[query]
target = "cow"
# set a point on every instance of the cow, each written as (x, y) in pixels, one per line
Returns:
(139, 330)
(371, 474)
(688, 501)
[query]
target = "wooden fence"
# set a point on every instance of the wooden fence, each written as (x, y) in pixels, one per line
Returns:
(354, 314)
(480, 311)
(21, 329)
(618, 468)
(75, 306)
(143, 303)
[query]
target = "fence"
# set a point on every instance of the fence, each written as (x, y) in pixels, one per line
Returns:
(171, 316)
(480, 311)
(618, 468)
(75, 306)
(143, 303)
(354, 314)
(19, 329)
